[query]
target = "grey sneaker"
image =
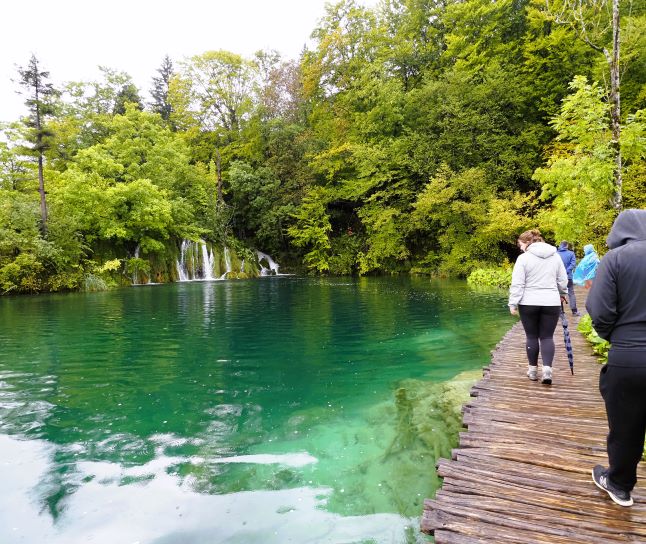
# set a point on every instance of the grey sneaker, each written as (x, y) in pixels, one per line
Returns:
(547, 375)
(532, 373)
(600, 479)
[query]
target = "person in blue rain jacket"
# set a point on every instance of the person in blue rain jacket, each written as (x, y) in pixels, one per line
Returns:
(586, 270)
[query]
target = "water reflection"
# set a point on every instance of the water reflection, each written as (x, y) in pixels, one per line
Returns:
(151, 503)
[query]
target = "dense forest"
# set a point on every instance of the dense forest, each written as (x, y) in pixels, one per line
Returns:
(418, 137)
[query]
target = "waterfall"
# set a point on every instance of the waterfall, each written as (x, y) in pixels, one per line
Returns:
(182, 273)
(273, 267)
(135, 279)
(195, 261)
(227, 263)
(207, 262)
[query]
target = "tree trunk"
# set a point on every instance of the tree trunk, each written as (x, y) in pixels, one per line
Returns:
(218, 169)
(43, 200)
(615, 102)
(41, 177)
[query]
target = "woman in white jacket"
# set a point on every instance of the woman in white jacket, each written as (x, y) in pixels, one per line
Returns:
(538, 284)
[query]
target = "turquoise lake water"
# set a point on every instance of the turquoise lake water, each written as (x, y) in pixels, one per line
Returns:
(274, 410)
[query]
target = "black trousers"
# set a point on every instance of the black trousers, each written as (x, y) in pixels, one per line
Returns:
(624, 391)
(539, 323)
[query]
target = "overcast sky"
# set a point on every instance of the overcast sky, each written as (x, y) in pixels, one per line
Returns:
(72, 37)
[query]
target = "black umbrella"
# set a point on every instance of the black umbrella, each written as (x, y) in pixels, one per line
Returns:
(566, 338)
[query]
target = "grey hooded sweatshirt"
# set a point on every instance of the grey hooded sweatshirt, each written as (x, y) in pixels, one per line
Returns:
(617, 299)
(539, 277)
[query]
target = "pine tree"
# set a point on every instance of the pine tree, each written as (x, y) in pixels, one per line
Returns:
(40, 103)
(159, 91)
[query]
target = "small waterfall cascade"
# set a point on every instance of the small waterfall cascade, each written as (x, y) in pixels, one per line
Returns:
(227, 263)
(273, 266)
(207, 262)
(242, 267)
(138, 274)
(135, 279)
(196, 261)
(184, 256)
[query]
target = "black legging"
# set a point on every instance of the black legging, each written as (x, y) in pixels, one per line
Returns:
(539, 323)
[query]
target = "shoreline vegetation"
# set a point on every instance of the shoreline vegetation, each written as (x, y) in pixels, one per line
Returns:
(407, 138)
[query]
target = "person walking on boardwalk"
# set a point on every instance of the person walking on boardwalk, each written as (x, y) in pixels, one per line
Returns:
(569, 261)
(617, 306)
(586, 270)
(538, 284)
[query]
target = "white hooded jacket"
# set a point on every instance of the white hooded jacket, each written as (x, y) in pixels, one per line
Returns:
(539, 277)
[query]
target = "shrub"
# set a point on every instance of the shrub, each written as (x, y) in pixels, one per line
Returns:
(599, 345)
(492, 277)
(93, 283)
(23, 275)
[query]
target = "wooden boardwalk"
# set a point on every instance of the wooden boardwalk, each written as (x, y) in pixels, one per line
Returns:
(521, 473)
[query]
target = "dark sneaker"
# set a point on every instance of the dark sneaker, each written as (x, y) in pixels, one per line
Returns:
(576, 313)
(600, 478)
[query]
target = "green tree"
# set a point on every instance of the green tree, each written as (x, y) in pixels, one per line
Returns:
(470, 224)
(476, 120)
(221, 88)
(598, 24)
(20, 269)
(136, 187)
(312, 231)
(259, 212)
(416, 38)
(128, 94)
(578, 180)
(16, 173)
(279, 90)
(578, 177)
(87, 111)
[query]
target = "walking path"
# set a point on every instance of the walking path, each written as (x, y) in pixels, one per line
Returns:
(521, 474)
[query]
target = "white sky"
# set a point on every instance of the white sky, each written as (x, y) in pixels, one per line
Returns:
(71, 38)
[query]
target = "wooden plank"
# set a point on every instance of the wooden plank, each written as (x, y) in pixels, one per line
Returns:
(604, 520)
(511, 434)
(561, 459)
(472, 455)
(541, 520)
(485, 533)
(499, 524)
(449, 537)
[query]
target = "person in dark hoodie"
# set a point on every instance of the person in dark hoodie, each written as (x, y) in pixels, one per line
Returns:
(617, 306)
(538, 283)
(569, 261)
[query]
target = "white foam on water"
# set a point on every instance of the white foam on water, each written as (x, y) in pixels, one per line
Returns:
(287, 459)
